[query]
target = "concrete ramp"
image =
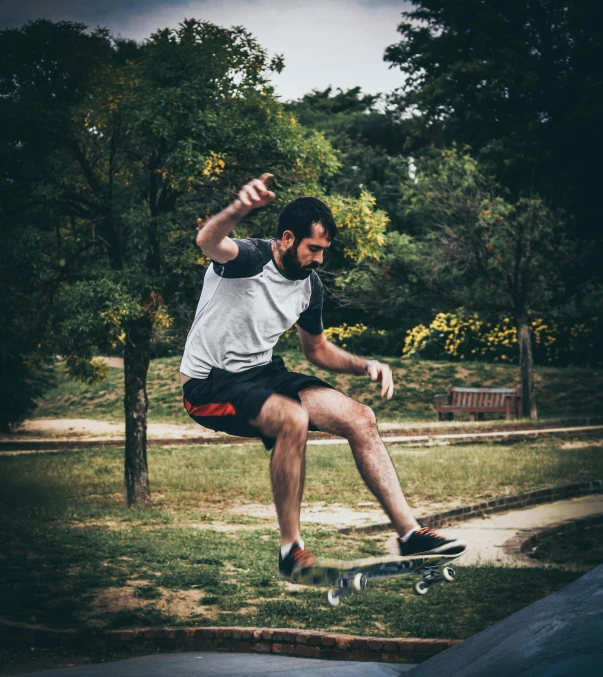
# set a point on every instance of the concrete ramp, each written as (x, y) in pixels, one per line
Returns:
(558, 636)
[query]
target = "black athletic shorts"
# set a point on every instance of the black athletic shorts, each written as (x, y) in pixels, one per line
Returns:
(227, 401)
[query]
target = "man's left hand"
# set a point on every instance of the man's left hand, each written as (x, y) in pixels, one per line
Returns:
(382, 373)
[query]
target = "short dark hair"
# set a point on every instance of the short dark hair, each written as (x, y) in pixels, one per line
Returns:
(299, 215)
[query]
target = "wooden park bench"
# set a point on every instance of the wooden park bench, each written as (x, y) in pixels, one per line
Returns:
(477, 401)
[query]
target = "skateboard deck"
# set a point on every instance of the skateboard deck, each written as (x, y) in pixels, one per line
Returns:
(353, 576)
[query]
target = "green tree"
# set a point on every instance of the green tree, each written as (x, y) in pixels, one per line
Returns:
(164, 133)
(25, 373)
(489, 252)
(391, 291)
(44, 71)
(520, 83)
(373, 145)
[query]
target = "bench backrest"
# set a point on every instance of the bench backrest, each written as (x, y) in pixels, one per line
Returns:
(480, 397)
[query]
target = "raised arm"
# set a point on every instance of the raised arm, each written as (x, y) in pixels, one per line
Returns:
(213, 237)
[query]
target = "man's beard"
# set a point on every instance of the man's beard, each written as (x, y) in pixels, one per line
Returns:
(291, 265)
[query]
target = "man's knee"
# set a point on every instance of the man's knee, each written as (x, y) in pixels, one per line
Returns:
(293, 430)
(297, 418)
(363, 420)
(291, 414)
(282, 415)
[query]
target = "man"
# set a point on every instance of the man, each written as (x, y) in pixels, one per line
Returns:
(255, 290)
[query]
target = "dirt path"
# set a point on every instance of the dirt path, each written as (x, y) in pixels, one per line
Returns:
(93, 430)
(90, 429)
(69, 429)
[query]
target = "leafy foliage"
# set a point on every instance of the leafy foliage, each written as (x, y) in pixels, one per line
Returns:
(361, 228)
(371, 143)
(489, 251)
(359, 338)
(500, 254)
(464, 336)
(116, 156)
(45, 71)
(390, 292)
(519, 83)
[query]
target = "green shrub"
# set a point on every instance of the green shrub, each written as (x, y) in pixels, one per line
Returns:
(465, 336)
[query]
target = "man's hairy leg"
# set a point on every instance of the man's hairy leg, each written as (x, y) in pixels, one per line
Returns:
(335, 413)
(284, 419)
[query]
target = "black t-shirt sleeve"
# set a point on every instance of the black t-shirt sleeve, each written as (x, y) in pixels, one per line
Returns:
(311, 319)
(249, 261)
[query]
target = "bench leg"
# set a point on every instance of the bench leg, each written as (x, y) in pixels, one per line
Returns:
(472, 416)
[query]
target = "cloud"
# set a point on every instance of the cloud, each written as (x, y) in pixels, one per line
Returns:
(324, 42)
(87, 11)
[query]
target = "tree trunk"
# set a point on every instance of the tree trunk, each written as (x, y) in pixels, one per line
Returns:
(136, 366)
(526, 367)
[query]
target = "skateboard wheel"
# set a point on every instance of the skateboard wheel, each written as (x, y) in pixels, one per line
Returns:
(448, 574)
(359, 582)
(420, 587)
(333, 598)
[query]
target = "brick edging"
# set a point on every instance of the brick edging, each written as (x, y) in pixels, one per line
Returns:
(448, 517)
(518, 546)
(285, 642)
(561, 527)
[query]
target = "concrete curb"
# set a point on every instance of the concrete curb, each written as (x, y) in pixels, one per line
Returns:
(504, 437)
(415, 435)
(448, 517)
(286, 642)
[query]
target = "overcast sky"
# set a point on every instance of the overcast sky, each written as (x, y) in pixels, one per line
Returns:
(324, 42)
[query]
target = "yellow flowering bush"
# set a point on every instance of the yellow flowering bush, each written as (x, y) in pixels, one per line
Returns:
(356, 338)
(464, 336)
(363, 340)
(341, 335)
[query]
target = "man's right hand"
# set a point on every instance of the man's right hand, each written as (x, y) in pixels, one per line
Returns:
(255, 194)
(213, 236)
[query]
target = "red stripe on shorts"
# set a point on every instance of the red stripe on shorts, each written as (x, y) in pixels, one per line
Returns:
(215, 409)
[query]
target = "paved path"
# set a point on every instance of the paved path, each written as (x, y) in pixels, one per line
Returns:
(198, 664)
(489, 538)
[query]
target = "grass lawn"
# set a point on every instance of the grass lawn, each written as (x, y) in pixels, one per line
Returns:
(561, 392)
(73, 556)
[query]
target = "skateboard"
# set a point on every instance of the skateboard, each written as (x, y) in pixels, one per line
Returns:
(348, 577)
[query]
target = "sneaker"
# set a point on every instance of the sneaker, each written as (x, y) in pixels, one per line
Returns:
(426, 541)
(296, 562)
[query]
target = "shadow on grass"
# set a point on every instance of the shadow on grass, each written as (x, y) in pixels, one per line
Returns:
(53, 574)
(72, 555)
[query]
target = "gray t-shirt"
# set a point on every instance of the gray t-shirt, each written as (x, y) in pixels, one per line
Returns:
(245, 306)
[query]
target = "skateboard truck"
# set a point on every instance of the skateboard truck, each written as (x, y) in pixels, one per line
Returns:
(345, 586)
(430, 575)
